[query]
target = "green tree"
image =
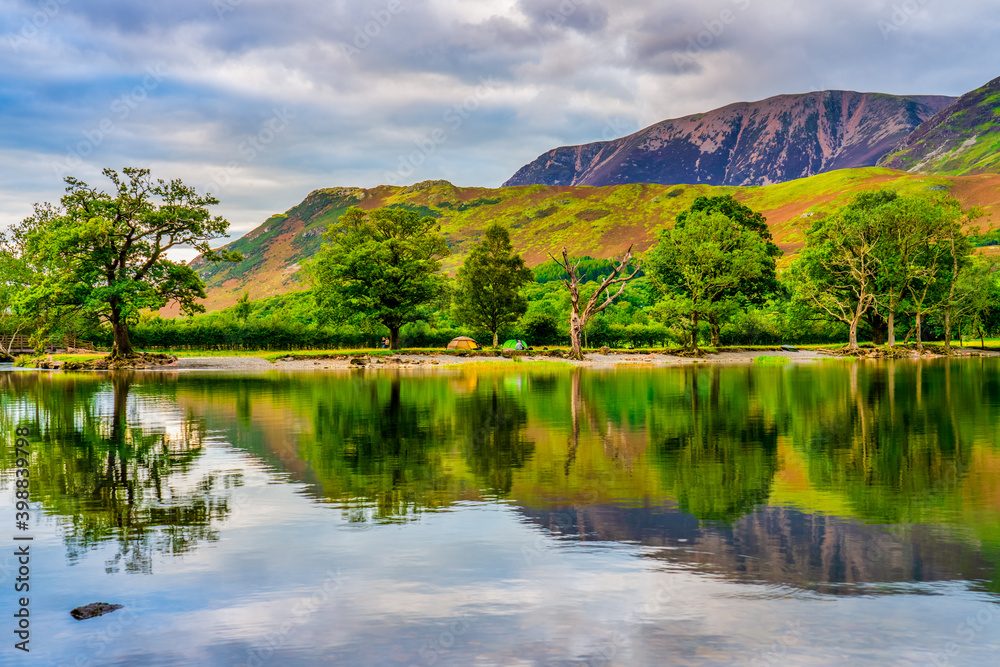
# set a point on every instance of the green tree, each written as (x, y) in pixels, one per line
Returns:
(243, 307)
(488, 294)
(693, 266)
(754, 291)
(104, 254)
(838, 270)
(379, 267)
(882, 252)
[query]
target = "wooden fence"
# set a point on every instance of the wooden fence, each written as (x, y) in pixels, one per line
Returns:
(23, 345)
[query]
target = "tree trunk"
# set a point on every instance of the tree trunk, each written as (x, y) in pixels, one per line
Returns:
(394, 338)
(694, 331)
(575, 336)
(122, 346)
(892, 325)
(714, 327)
(852, 342)
(495, 340)
(947, 330)
(920, 339)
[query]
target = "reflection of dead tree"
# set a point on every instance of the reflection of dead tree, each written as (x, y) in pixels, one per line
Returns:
(615, 440)
(575, 405)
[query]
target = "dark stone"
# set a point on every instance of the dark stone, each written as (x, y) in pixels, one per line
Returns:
(94, 609)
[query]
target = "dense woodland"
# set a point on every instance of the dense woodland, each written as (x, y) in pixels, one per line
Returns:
(885, 268)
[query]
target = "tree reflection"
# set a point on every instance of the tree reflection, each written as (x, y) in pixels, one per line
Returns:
(893, 450)
(111, 476)
(717, 448)
(492, 429)
(387, 446)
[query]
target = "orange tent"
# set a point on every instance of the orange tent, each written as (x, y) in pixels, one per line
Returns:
(463, 343)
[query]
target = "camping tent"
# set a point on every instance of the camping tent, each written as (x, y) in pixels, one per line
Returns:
(513, 344)
(463, 343)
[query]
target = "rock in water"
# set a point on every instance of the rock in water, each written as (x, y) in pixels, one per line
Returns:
(94, 609)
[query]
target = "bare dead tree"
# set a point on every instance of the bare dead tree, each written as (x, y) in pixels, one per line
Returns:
(577, 319)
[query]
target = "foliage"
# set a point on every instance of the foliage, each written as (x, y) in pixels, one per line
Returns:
(882, 254)
(488, 293)
(700, 265)
(379, 267)
(104, 254)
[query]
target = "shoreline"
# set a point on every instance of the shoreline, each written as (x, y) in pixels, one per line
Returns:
(594, 360)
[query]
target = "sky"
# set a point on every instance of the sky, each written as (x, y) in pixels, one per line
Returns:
(261, 102)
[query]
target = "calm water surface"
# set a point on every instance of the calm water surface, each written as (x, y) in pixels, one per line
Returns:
(816, 514)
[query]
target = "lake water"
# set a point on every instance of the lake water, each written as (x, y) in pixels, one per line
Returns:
(830, 513)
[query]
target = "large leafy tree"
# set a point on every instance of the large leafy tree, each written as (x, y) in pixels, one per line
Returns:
(488, 294)
(380, 267)
(751, 291)
(103, 254)
(883, 251)
(696, 264)
(838, 270)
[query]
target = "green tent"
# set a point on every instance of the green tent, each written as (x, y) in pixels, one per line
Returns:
(514, 344)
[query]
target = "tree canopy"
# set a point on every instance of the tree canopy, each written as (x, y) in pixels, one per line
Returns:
(379, 267)
(488, 290)
(103, 254)
(696, 264)
(883, 252)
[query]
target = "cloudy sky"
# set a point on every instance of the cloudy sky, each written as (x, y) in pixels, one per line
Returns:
(262, 101)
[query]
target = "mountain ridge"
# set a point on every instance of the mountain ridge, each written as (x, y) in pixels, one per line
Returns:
(773, 140)
(962, 138)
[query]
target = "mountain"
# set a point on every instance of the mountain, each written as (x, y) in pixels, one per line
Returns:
(963, 138)
(748, 143)
(595, 221)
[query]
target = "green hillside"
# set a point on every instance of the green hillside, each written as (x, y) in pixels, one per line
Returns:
(962, 139)
(598, 222)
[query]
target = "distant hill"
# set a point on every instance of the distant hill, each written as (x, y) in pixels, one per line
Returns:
(749, 143)
(597, 221)
(963, 138)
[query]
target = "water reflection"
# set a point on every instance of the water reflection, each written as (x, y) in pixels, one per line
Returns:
(826, 477)
(116, 466)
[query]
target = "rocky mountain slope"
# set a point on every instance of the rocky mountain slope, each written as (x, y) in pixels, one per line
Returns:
(963, 138)
(595, 221)
(748, 143)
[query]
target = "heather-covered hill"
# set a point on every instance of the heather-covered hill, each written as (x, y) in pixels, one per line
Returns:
(964, 138)
(595, 221)
(749, 143)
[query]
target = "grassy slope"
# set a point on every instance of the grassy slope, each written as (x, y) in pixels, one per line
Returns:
(963, 139)
(595, 221)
